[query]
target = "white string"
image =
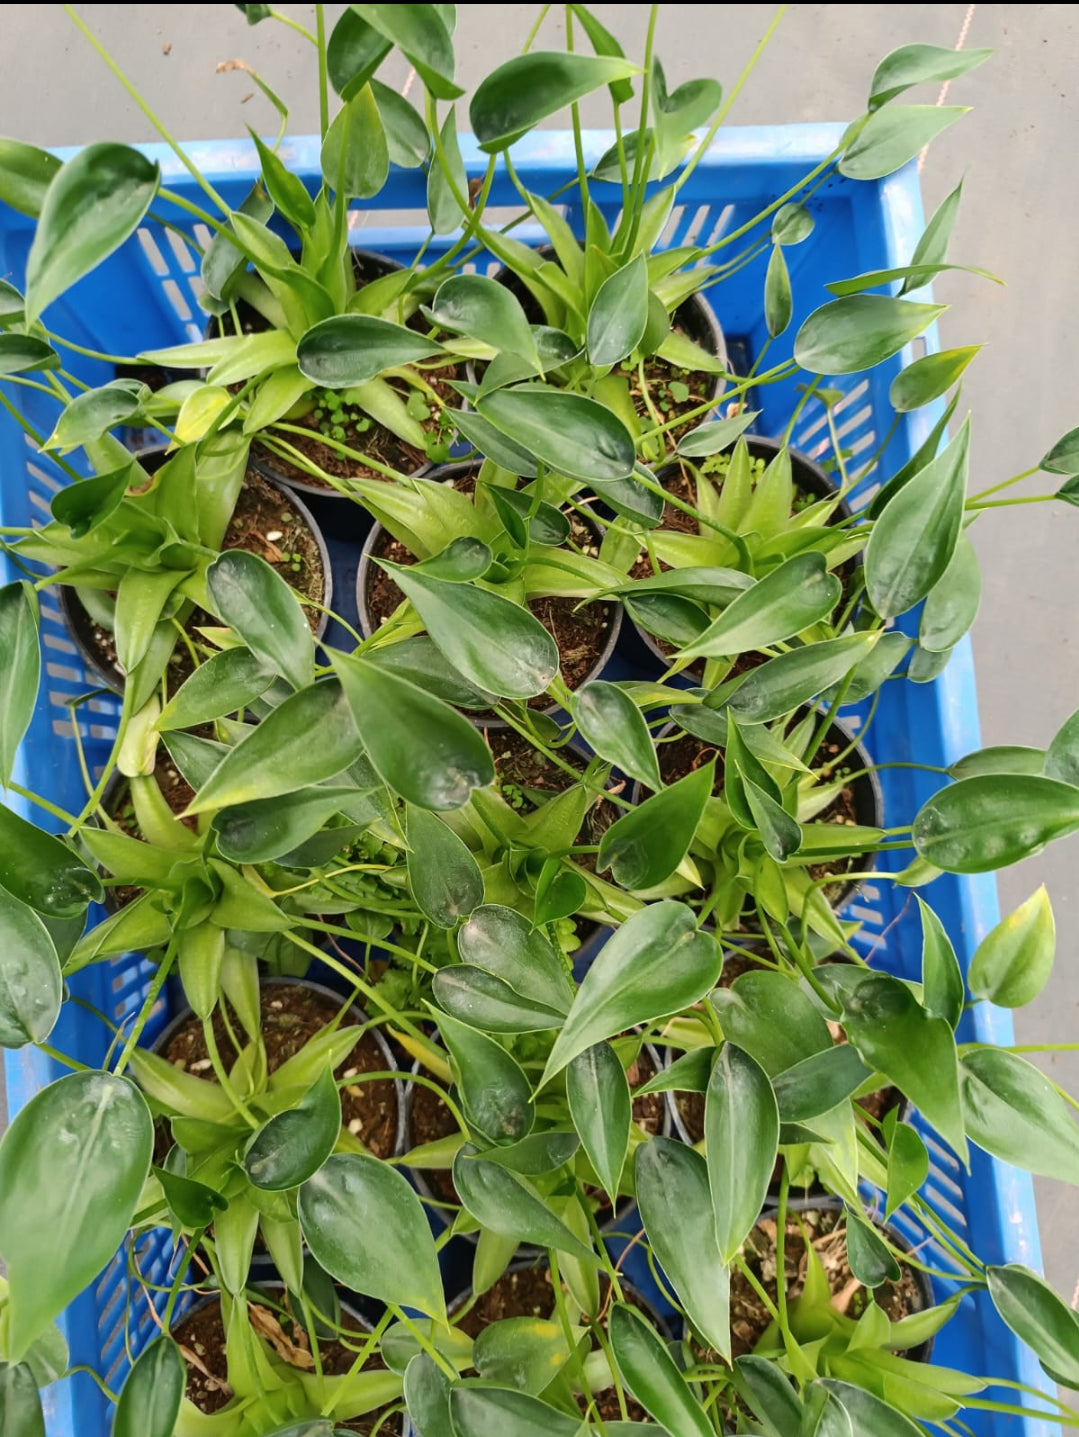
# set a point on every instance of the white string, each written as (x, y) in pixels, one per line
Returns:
(964, 31)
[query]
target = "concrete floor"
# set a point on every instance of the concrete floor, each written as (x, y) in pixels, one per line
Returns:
(1019, 217)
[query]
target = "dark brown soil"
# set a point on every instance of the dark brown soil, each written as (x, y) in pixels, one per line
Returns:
(880, 1103)
(291, 1016)
(685, 754)
(526, 779)
(266, 523)
(201, 1337)
(581, 633)
(659, 376)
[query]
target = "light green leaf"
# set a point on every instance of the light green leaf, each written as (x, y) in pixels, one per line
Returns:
(778, 302)
(20, 1403)
(1014, 1112)
(1039, 1317)
(152, 1392)
(892, 136)
(929, 377)
(920, 64)
(987, 822)
(20, 669)
(25, 175)
(943, 994)
(1012, 963)
(847, 335)
(520, 93)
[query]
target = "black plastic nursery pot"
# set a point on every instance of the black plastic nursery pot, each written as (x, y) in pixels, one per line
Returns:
(808, 478)
(379, 539)
(94, 642)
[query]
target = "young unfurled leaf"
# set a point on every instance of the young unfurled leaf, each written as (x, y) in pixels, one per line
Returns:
(715, 436)
(1014, 1112)
(892, 136)
(264, 612)
(496, 1093)
(291, 1146)
(741, 1126)
(798, 593)
(600, 1105)
(647, 844)
(611, 723)
(20, 669)
(847, 335)
(365, 1225)
(525, 90)
(778, 302)
(444, 877)
(31, 988)
(152, 1392)
(1012, 963)
(942, 978)
(987, 822)
(72, 1166)
(650, 1374)
(619, 314)
(1039, 1317)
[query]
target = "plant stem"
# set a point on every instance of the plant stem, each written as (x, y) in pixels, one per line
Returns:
(63, 1059)
(1005, 484)
(323, 83)
(42, 803)
(1007, 503)
(148, 1003)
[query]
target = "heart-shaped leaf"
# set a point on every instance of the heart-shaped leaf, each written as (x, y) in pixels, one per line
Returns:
(152, 1392)
(481, 1411)
(350, 349)
(291, 1146)
(444, 877)
(646, 845)
(262, 610)
(860, 331)
(611, 723)
(892, 136)
(601, 1108)
(574, 435)
(908, 1165)
(25, 175)
(504, 944)
(355, 157)
(423, 34)
(918, 65)
(483, 310)
(521, 1352)
(871, 1260)
(490, 1004)
(427, 1396)
(528, 88)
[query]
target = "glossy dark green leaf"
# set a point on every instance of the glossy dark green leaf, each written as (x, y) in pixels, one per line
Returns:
(460, 562)
(858, 332)
(772, 1019)
(42, 872)
(917, 65)
(350, 349)
(800, 592)
(572, 434)
(279, 756)
(526, 518)
(354, 52)
(20, 668)
(867, 1413)
(489, 1003)
(654, 965)
(783, 684)
(152, 1392)
(951, 606)
(537, 1154)
(407, 140)
(892, 136)
(497, 1095)
(871, 1261)
(192, 1204)
(525, 90)
(612, 724)
(667, 616)
(223, 260)
(421, 34)
(492, 641)
(1014, 1112)
(365, 1225)
(741, 1127)
(600, 1105)
(716, 435)
(20, 1403)
(908, 1165)
(262, 610)
(503, 943)
(778, 301)
(943, 994)
(913, 540)
(819, 1083)
(421, 663)
(91, 206)
(225, 683)
(478, 307)
(619, 313)
(25, 175)
(1063, 457)
(1038, 1316)
(676, 1208)
(482, 1411)
(292, 1145)
(1013, 961)
(23, 354)
(72, 1166)
(983, 823)
(650, 1374)
(929, 377)
(31, 988)
(444, 877)
(915, 1051)
(509, 1205)
(703, 584)
(646, 845)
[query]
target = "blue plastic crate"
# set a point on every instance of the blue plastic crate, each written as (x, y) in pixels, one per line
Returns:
(145, 296)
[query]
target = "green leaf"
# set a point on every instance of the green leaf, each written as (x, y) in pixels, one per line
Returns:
(72, 1166)
(421, 34)
(492, 641)
(192, 1204)
(677, 115)
(481, 1411)
(951, 605)
(292, 1145)
(918, 64)
(1002, 758)
(891, 137)
(444, 877)
(1014, 1112)
(279, 757)
(871, 1260)
(509, 1205)
(908, 1166)
(600, 1105)
(1063, 457)
(1012, 963)
(25, 175)
(20, 1403)
(649, 1372)
(225, 683)
(365, 1225)
(778, 301)
(800, 592)
(913, 540)
(783, 684)
(943, 994)
(350, 349)
(847, 335)
(355, 156)
(525, 90)
(31, 988)
(716, 435)
(288, 191)
(20, 669)
(354, 53)
(476, 306)
(1062, 755)
(407, 139)
(929, 377)
(443, 207)
(90, 414)
(676, 1208)
(915, 1051)
(574, 435)
(269, 828)
(819, 1083)
(612, 724)
(92, 205)
(619, 314)
(425, 751)
(42, 872)
(655, 964)
(427, 1397)
(537, 1154)
(604, 43)
(262, 610)
(983, 823)
(504, 944)
(646, 845)
(867, 1413)
(791, 224)
(1039, 1317)
(420, 662)
(496, 1093)
(741, 1127)
(152, 1392)
(489, 1003)
(23, 354)
(525, 1353)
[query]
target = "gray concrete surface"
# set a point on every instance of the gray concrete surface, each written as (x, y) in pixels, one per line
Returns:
(1019, 218)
